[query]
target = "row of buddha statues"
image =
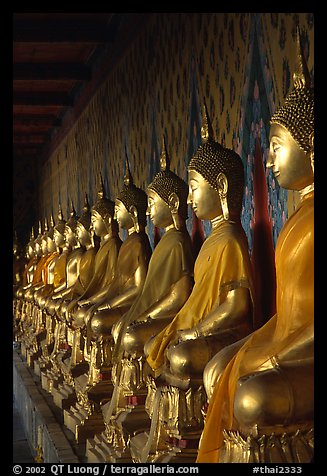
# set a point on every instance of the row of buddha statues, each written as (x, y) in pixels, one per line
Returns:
(154, 356)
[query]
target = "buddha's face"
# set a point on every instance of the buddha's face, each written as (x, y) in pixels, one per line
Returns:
(204, 199)
(30, 251)
(38, 248)
(70, 236)
(290, 164)
(50, 245)
(98, 224)
(122, 215)
(83, 235)
(58, 238)
(158, 210)
(44, 246)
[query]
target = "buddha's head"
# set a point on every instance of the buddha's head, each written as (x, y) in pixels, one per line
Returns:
(59, 230)
(30, 247)
(84, 223)
(102, 213)
(131, 204)
(17, 249)
(167, 196)
(44, 241)
(70, 227)
(38, 241)
(50, 238)
(216, 178)
(291, 151)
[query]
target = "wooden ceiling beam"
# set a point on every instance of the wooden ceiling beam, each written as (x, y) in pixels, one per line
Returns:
(50, 98)
(36, 121)
(51, 71)
(30, 138)
(62, 33)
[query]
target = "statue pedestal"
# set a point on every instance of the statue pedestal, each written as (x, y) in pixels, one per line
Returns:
(98, 449)
(171, 450)
(64, 395)
(50, 380)
(31, 356)
(83, 424)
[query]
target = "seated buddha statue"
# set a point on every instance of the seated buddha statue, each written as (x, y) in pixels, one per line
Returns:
(132, 265)
(19, 263)
(49, 245)
(63, 394)
(218, 312)
(106, 228)
(86, 272)
(60, 262)
(19, 303)
(37, 282)
(168, 283)
(32, 260)
(37, 274)
(261, 390)
(42, 290)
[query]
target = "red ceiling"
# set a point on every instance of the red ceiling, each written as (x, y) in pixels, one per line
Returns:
(57, 56)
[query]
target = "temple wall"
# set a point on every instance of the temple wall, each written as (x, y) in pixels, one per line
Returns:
(242, 63)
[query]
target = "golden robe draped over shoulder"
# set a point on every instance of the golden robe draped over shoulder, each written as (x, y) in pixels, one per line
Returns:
(38, 273)
(293, 319)
(48, 261)
(59, 273)
(171, 259)
(135, 252)
(105, 266)
(223, 264)
(86, 272)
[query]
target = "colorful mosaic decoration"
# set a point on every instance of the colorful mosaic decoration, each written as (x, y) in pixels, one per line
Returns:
(241, 63)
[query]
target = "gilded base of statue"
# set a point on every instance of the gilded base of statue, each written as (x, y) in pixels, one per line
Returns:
(98, 450)
(295, 446)
(32, 356)
(50, 380)
(83, 423)
(64, 396)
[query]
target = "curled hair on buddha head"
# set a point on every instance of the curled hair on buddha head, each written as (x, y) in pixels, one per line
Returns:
(46, 229)
(85, 218)
(104, 206)
(133, 196)
(60, 226)
(297, 112)
(39, 237)
(167, 182)
(51, 227)
(212, 159)
(72, 221)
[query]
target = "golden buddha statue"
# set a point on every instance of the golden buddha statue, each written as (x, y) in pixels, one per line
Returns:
(168, 284)
(41, 292)
(104, 226)
(53, 325)
(100, 275)
(74, 252)
(31, 321)
(132, 265)
(218, 312)
(19, 263)
(49, 248)
(64, 394)
(19, 303)
(261, 390)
